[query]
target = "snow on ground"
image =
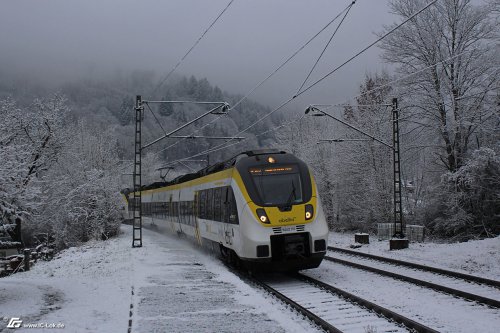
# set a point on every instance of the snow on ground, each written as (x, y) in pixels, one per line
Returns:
(436, 310)
(478, 257)
(85, 288)
(177, 288)
(189, 291)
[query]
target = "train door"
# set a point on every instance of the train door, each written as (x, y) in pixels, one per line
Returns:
(180, 217)
(172, 215)
(226, 197)
(195, 217)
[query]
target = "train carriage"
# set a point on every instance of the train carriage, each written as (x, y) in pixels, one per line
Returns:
(260, 208)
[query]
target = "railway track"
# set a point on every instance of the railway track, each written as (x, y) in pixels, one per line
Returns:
(468, 287)
(331, 308)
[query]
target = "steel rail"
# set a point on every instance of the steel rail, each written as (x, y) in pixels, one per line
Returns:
(407, 322)
(448, 290)
(297, 307)
(384, 312)
(463, 276)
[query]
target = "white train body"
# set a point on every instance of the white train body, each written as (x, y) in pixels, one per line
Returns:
(260, 208)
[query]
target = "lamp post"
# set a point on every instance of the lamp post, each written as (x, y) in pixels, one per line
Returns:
(398, 241)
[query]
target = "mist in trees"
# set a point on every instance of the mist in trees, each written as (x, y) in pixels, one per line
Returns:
(57, 177)
(354, 174)
(446, 82)
(451, 108)
(66, 156)
(453, 41)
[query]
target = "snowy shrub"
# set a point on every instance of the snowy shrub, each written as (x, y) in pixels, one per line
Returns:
(467, 203)
(57, 178)
(29, 146)
(83, 195)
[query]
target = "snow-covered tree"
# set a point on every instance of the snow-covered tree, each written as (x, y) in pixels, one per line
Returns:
(83, 200)
(467, 201)
(451, 40)
(30, 143)
(366, 179)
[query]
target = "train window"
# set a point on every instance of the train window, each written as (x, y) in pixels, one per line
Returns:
(164, 209)
(179, 211)
(217, 205)
(279, 185)
(183, 212)
(201, 204)
(196, 205)
(187, 215)
(193, 205)
(210, 204)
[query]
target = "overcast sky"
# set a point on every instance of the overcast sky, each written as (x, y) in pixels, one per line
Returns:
(66, 39)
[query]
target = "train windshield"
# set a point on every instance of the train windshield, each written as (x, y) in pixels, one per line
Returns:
(278, 185)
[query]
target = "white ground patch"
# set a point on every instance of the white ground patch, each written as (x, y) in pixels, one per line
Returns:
(179, 288)
(479, 257)
(437, 310)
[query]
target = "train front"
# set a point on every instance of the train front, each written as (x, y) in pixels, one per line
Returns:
(283, 227)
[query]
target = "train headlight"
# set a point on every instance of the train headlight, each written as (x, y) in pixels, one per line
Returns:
(261, 213)
(309, 212)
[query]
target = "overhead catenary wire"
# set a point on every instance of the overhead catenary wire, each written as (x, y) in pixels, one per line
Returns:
(292, 56)
(345, 103)
(326, 46)
(258, 85)
(238, 142)
(322, 78)
(329, 106)
(156, 118)
(191, 49)
(367, 47)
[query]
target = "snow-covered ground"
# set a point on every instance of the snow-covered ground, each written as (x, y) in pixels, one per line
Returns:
(175, 287)
(480, 257)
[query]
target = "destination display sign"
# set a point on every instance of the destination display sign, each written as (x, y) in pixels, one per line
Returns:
(274, 170)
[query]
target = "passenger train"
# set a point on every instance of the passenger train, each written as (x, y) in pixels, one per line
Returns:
(260, 209)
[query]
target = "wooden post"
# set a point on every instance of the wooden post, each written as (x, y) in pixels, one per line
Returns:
(27, 253)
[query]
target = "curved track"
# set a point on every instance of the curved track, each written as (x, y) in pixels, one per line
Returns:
(445, 281)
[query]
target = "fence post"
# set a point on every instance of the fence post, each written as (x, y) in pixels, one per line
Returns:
(27, 253)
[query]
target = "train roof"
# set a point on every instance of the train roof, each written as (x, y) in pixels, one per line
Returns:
(217, 167)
